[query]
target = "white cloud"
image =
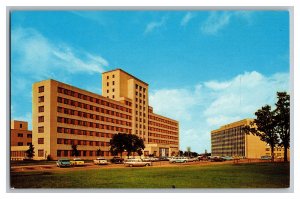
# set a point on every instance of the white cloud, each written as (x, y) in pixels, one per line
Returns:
(208, 106)
(215, 85)
(175, 103)
(218, 20)
(185, 20)
(154, 25)
(245, 94)
(33, 53)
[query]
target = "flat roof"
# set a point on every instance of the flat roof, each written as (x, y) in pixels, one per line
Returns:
(125, 73)
(232, 124)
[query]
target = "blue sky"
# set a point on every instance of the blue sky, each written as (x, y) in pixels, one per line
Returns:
(204, 68)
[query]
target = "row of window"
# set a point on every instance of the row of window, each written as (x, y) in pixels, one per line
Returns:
(162, 136)
(88, 106)
(140, 88)
(20, 135)
(94, 125)
(81, 142)
(95, 116)
(164, 121)
(162, 131)
(161, 141)
(23, 143)
(91, 99)
(162, 125)
(83, 132)
(82, 153)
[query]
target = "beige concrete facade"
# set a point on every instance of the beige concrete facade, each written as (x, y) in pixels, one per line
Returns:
(64, 115)
(20, 139)
(231, 140)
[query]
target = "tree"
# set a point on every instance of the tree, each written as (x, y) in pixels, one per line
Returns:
(133, 144)
(122, 141)
(117, 143)
(98, 152)
(180, 153)
(75, 151)
(264, 126)
(282, 119)
(188, 149)
(30, 152)
(140, 152)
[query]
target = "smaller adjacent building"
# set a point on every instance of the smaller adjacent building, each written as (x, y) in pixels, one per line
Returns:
(20, 139)
(231, 140)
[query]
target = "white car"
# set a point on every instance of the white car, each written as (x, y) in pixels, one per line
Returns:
(179, 160)
(101, 161)
(136, 163)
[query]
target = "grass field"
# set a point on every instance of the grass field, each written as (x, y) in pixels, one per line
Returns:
(256, 175)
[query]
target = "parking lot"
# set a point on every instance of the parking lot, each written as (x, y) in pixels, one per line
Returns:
(88, 166)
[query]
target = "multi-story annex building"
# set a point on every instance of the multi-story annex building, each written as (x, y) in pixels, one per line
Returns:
(231, 140)
(64, 115)
(20, 139)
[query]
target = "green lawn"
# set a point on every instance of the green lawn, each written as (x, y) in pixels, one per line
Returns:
(256, 175)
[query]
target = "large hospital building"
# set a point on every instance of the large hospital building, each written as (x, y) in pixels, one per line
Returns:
(63, 115)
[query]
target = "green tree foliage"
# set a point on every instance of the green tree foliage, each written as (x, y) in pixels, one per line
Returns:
(140, 152)
(30, 152)
(188, 149)
(133, 144)
(282, 119)
(98, 152)
(75, 151)
(117, 143)
(122, 141)
(264, 126)
(273, 127)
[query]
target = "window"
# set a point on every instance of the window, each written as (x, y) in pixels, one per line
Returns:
(59, 129)
(107, 91)
(20, 143)
(113, 90)
(113, 83)
(41, 109)
(107, 83)
(41, 89)
(113, 76)
(20, 135)
(20, 125)
(107, 77)
(40, 140)
(113, 97)
(29, 135)
(41, 153)
(41, 119)
(41, 99)
(41, 129)
(29, 143)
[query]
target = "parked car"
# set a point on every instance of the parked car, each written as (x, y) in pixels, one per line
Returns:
(136, 163)
(100, 161)
(216, 159)
(117, 160)
(265, 157)
(63, 163)
(193, 159)
(163, 158)
(77, 162)
(150, 159)
(202, 158)
(178, 160)
(227, 158)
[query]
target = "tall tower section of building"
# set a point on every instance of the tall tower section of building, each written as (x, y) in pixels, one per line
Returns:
(121, 86)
